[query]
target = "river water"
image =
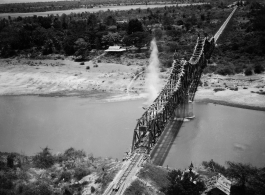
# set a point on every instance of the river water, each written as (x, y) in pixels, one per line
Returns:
(221, 133)
(28, 123)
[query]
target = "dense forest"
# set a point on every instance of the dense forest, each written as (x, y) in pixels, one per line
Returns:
(175, 28)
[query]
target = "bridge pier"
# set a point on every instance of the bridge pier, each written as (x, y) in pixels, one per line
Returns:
(189, 110)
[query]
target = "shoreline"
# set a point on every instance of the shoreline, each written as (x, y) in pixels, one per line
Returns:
(230, 104)
(117, 97)
(109, 82)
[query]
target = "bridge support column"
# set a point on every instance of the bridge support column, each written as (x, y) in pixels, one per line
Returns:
(189, 110)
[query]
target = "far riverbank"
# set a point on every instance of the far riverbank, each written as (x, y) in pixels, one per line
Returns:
(93, 10)
(109, 81)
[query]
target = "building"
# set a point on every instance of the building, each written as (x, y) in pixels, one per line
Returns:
(115, 49)
(217, 185)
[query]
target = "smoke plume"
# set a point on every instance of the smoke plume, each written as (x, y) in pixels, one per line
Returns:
(153, 85)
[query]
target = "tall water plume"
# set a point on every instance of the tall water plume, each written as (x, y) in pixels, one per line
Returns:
(153, 85)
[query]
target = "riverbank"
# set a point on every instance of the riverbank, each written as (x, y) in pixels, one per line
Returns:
(237, 91)
(111, 81)
(67, 78)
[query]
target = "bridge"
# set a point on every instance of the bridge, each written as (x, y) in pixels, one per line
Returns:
(159, 125)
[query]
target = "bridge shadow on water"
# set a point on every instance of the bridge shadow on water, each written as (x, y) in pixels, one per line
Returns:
(166, 140)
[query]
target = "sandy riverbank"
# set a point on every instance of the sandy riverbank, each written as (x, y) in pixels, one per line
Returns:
(110, 80)
(243, 97)
(65, 77)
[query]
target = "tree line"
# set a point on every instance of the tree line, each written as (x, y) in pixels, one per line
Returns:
(78, 33)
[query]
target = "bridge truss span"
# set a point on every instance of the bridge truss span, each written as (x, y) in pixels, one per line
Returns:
(173, 99)
(155, 130)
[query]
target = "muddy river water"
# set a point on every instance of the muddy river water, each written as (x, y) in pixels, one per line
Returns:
(221, 133)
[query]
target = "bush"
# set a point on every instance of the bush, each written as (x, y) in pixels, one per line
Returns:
(167, 63)
(248, 71)
(88, 67)
(82, 63)
(66, 176)
(81, 172)
(225, 71)
(218, 89)
(98, 180)
(5, 182)
(38, 188)
(258, 68)
(92, 189)
(44, 159)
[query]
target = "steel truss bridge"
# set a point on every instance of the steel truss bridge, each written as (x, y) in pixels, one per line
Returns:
(157, 128)
(174, 98)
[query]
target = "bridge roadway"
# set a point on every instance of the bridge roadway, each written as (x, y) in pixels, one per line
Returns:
(159, 151)
(162, 147)
(125, 176)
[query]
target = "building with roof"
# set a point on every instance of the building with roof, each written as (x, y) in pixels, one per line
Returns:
(115, 48)
(217, 185)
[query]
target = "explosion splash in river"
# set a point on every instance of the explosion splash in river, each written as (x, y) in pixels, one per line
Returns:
(153, 85)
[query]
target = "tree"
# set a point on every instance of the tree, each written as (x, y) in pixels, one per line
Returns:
(10, 160)
(111, 38)
(134, 26)
(139, 39)
(81, 47)
(258, 182)
(39, 36)
(72, 155)
(45, 22)
(258, 68)
(167, 21)
(109, 21)
(248, 71)
(37, 188)
(158, 33)
(43, 159)
(186, 183)
(92, 21)
(68, 45)
(242, 173)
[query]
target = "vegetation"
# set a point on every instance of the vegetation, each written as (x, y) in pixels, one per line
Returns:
(240, 49)
(245, 178)
(183, 184)
(48, 174)
(43, 159)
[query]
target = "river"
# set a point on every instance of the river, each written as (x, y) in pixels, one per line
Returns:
(221, 133)
(93, 10)
(29, 123)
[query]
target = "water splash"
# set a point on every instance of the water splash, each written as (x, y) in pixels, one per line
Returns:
(153, 84)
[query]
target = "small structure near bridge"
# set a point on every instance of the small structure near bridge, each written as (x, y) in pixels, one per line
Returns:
(115, 49)
(218, 185)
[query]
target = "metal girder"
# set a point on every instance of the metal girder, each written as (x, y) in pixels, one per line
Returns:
(181, 87)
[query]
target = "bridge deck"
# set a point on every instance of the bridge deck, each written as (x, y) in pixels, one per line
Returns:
(160, 151)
